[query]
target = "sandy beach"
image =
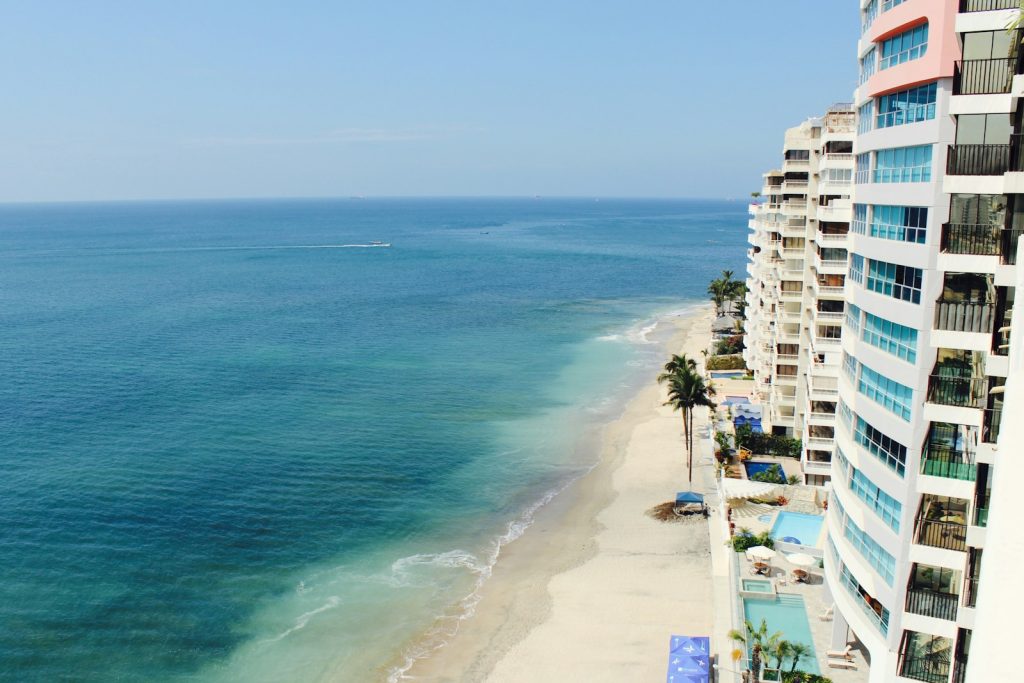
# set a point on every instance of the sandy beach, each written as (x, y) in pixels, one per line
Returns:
(595, 588)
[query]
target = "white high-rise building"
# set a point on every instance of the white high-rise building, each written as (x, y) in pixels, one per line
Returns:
(795, 281)
(938, 207)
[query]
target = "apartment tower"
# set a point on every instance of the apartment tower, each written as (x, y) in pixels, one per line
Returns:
(797, 265)
(938, 203)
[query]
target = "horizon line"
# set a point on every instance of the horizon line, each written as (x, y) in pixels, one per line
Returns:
(154, 200)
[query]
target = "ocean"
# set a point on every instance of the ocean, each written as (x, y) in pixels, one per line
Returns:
(234, 448)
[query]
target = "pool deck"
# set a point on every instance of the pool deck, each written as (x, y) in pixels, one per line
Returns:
(816, 602)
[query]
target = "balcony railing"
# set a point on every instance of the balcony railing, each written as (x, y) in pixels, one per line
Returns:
(1008, 248)
(966, 238)
(933, 669)
(939, 534)
(983, 76)
(993, 418)
(931, 604)
(965, 316)
(987, 5)
(963, 392)
(971, 591)
(940, 461)
(980, 516)
(978, 159)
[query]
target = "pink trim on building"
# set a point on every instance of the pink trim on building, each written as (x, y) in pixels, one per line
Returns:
(943, 46)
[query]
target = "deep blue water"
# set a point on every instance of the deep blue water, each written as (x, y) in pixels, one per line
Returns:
(227, 460)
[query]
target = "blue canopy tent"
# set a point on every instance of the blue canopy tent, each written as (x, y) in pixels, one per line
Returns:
(684, 497)
(689, 659)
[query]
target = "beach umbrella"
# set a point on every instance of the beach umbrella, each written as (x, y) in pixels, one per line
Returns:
(760, 552)
(801, 560)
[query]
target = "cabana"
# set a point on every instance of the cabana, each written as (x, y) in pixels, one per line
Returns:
(689, 659)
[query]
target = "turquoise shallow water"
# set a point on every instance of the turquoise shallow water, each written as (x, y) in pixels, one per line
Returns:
(233, 454)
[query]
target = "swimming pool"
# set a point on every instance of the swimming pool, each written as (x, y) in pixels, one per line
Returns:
(757, 586)
(753, 468)
(785, 613)
(796, 527)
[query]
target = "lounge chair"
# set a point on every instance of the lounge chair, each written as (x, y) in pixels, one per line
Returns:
(840, 654)
(827, 614)
(841, 664)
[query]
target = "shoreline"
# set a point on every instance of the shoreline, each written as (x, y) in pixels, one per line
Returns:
(561, 596)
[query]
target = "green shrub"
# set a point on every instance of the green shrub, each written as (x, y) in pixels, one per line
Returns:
(767, 444)
(730, 345)
(734, 362)
(745, 539)
(803, 677)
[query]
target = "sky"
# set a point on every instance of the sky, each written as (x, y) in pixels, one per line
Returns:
(655, 98)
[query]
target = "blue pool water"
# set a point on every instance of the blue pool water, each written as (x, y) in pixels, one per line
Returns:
(805, 528)
(757, 467)
(234, 450)
(785, 613)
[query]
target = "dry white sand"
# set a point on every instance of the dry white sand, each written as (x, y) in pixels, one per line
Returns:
(594, 589)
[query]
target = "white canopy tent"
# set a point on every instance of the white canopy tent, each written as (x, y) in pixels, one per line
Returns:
(744, 488)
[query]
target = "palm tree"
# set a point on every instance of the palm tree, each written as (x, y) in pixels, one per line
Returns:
(718, 290)
(757, 641)
(796, 651)
(781, 651)
(675, 364)
(686, 391)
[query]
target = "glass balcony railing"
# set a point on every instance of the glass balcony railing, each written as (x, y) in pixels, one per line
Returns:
(965, 316)
(930, 603)
(981, 516)
(940, 461)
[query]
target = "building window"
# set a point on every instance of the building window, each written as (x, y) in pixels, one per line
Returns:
(863, 174)
(978, 209)
(850, 366)
(889, 4)
(891, 279)
(983, 129)
(889, 451)
(869, 549)
(868, 16)
(906, 106)
(853, 318)
(906, 46)
(845, 415)
(900, 223)
(865, 117)
(839, 176)
(868, 64)
(903, 165)
(859, 224)
(891, 395)
(878, 501)
(891, 337)
(857, 268)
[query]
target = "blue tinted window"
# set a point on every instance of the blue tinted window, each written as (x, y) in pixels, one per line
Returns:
(906, 106)
(903, 165)
(900, 223)
(904, 47)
